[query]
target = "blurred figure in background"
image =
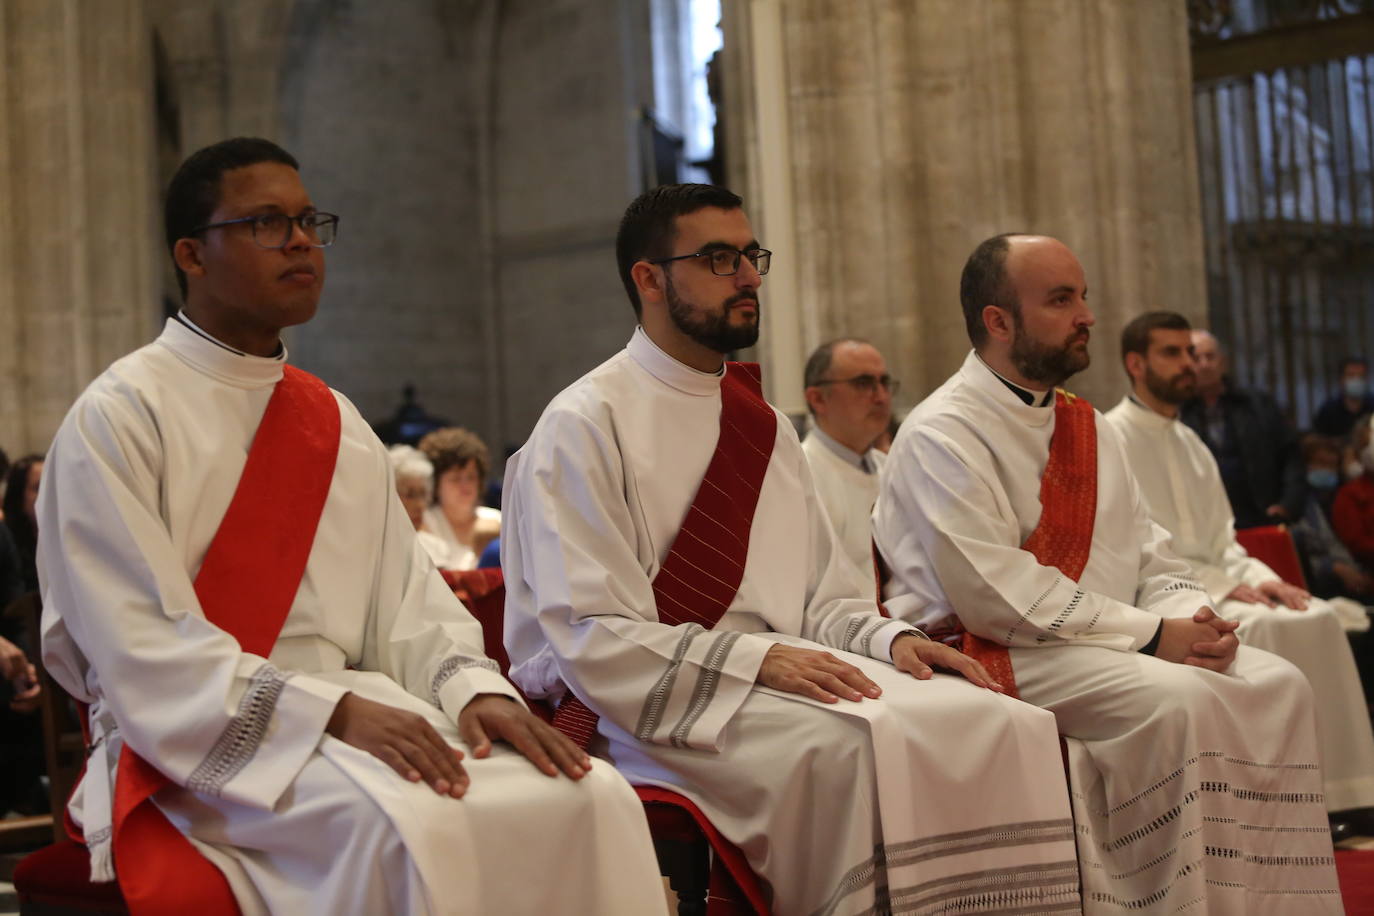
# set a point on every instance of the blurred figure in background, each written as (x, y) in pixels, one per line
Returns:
(1337, 416)
(1330, 569)
(461, 462)
(415, 487)
(1352, 514)
(21, 492)
(1255, 447)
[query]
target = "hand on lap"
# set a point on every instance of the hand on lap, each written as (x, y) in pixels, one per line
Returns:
(1205, 640)
(1248, 594)
(492, 716)
(813, 673)
(920, 657)
(1290, 596)
(402, 740)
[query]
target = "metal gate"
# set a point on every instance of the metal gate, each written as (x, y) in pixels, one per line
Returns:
(1284, 107)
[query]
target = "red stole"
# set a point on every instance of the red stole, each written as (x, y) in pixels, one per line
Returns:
(246, 586)
(704, 567)
(1068, 499)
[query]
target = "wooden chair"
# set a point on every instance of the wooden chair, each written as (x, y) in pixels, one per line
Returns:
(708, 873)
(55, 880)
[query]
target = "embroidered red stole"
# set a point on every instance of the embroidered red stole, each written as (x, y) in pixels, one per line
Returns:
(704, 567)
(246, 586)
(1068, 499)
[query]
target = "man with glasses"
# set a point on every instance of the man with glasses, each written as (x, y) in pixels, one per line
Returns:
(289, 709)
(849, 395)
(673, 584)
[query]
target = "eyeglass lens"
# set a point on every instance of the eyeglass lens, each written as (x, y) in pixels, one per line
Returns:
(725, 261)
(273, 230)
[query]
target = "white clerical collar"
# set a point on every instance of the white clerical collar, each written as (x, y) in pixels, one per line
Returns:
(201, 350)
(841, 451)
(1138, 412)
(670, 371)
(981, 376)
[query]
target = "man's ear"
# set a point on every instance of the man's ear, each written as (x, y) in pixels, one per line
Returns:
(998, 322)
(648, 280)
(186, 254)
(815, 399)
(1135, 365)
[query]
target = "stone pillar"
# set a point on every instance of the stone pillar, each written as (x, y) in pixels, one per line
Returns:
(906, 131)
(77, 204)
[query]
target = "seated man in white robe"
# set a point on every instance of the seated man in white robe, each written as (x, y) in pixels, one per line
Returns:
(849, 395)
(329, 736)
(670, 570)
(1183, 492)
(1007, 511)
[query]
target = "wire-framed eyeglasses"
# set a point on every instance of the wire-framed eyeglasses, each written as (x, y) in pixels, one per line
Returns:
(725, 261)
(273, 230)
(866, 384)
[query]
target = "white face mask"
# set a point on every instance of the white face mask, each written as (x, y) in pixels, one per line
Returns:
(1354, 469)
(1355, 387)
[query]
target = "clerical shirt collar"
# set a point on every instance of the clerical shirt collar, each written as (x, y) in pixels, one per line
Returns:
(196, 347)
(842, 451)
(670, 371)
(1027, 396)
(1143, 413)
(184, 319)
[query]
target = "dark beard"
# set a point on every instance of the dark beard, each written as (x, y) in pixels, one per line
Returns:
(714, 332)
(1045, 365)
(1171, 391)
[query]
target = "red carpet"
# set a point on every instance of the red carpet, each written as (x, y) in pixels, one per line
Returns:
(1355, 867)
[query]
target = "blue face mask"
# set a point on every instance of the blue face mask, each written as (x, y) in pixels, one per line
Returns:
(1323, 478)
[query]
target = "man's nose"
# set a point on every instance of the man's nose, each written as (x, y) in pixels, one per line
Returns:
(748, 276)
(298, 240)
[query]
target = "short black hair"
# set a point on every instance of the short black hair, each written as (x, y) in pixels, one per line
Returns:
(1353, 361)
(1135, 337)
(648, 227)
(818, 363)
(984, 283)
(193, 193)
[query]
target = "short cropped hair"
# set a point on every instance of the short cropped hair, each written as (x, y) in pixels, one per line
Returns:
(648, 228)
(1135, 337)
(984, 283)
(194, 191)
(409, 463)
(454, 447)
(818, 363)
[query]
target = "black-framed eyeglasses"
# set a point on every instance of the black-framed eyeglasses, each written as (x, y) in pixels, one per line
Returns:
(273, 230)
(867, 384)
(725, 261)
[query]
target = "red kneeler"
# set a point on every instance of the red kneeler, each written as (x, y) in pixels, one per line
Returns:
(684, 838)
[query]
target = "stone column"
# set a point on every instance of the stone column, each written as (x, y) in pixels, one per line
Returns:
(910, 130)
(77, 204)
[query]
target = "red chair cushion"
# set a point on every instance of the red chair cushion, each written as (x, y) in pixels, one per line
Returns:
(59, 876)
(1273, 546)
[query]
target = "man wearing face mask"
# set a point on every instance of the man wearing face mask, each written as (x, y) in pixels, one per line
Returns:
(1352, 514)
(1337, 416)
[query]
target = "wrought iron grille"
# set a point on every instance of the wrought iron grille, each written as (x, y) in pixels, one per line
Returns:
(1286, 164)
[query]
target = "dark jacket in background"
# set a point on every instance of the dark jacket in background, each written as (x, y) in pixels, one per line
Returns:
(1334, 420)
(1257, 450)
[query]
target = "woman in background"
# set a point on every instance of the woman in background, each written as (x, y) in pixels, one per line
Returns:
(461, 462)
